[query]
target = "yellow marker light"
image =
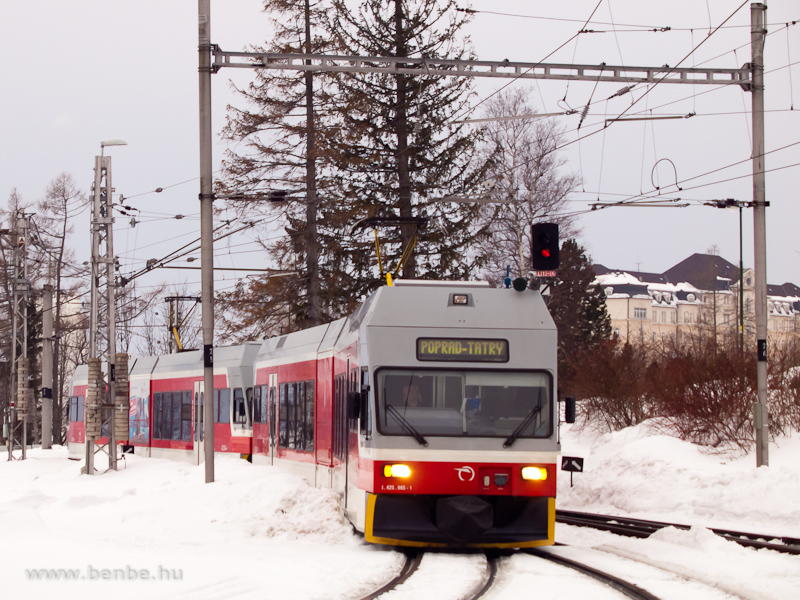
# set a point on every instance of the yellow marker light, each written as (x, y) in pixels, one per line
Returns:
(534, 473)
(396, 471)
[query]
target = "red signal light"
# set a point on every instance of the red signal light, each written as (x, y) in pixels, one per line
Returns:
(545, 253)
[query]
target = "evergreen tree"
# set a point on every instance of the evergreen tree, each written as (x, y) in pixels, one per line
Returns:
(399, 147)
(279, 146)
(578, 309)
(373, 145)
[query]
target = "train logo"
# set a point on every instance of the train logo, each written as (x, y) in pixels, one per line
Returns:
(469, 472)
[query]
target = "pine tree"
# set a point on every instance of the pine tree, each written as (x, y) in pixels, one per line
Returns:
(399, 147)
(578, 309)
(279, 146)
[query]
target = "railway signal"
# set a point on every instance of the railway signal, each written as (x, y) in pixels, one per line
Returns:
(544, 246)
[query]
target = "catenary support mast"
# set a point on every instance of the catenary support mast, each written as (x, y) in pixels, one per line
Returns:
(47, 366)
(206, 231)
(758, 33)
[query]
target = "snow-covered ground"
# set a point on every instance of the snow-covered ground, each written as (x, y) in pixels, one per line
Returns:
(155, 530)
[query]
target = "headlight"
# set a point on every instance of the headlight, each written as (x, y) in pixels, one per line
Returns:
(396, 471)
(534, 473)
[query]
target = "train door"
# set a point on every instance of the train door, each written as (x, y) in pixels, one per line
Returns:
(272, 416)
(340, 432)
(351, 432)
(199, 444)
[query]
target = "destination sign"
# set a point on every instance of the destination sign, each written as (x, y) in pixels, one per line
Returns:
(462, 349)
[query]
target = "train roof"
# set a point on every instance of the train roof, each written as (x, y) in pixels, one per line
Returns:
(308, 341)
(143, 365)
(431, 304)
(421, 303)
(224, 357)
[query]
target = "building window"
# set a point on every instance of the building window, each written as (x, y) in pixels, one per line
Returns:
(640, 313)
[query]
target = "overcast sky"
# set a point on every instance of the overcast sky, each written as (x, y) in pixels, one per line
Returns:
(83, 71)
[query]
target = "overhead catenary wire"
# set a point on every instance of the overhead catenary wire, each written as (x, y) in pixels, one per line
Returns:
(640, 28)
(648, 91)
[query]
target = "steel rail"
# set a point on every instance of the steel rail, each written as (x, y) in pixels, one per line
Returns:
(486, 584)
(413, 560)
(642, 528)
(631, 590)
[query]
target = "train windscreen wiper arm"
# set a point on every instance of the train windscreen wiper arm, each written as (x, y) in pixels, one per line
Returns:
(521, 427)
(406, 425)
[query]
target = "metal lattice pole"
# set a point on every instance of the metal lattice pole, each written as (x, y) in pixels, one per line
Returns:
(99, 407)
(20, 296)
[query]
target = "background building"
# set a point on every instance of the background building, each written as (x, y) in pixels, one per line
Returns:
(697, 299)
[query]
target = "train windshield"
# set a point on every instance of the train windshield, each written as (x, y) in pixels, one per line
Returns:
(464, 403)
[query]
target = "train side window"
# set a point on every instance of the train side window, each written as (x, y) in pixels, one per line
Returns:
(299, 416)
(340, 416)
(308, 429)
(240, 416)
(366, 413)
(291, 416)
(80, 408)
(264, 413)
(73, 408)
(216, 406)
(157, 416)
(248, 394)
(186, 415)
(283, 440)
(166, 415)
(176, 416)
(256, 403)
(224, 405)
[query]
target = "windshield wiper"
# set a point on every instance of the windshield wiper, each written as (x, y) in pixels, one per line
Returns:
(521, 427)
(391, 410)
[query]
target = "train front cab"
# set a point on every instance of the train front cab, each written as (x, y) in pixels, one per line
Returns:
(455, 441)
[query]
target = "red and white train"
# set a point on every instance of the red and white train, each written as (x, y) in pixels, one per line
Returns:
(431, 410)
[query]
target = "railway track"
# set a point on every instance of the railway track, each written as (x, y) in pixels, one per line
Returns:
(641, 528)
(412, 564)
(414, 559)
(627, 588)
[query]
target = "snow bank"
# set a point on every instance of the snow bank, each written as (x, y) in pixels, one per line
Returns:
(639, 473)
(155, 527)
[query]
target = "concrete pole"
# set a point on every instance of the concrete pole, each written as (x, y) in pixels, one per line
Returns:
(94, 309)
(111, 350)
(761, 415)
(47, 366)
(206, 231)
(23, 224)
